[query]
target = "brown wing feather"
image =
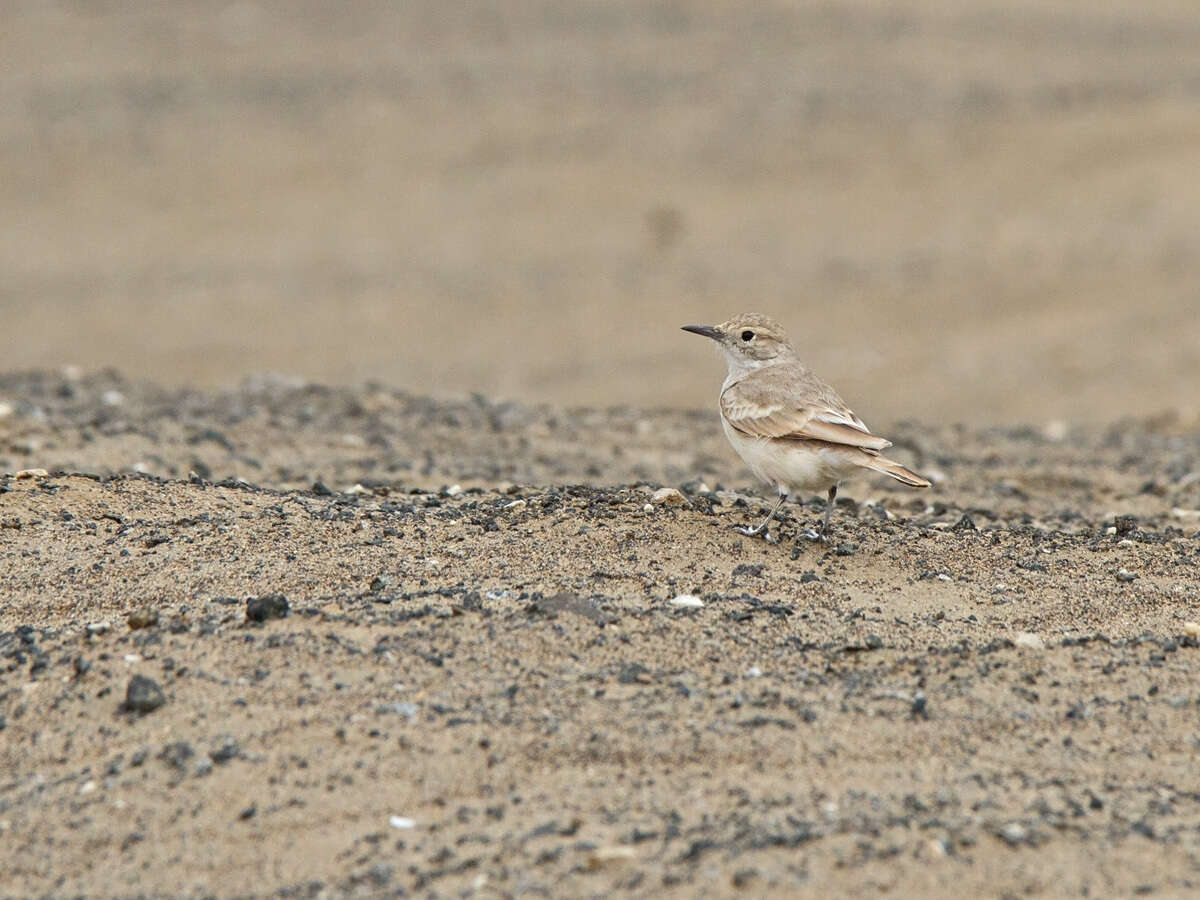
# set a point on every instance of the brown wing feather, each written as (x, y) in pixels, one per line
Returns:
(813, 412)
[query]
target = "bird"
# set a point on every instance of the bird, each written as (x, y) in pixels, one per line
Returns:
(791, 429)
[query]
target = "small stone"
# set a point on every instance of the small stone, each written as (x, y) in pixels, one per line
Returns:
(146, 617)
(6, 409)
(32, 473)
(1191, 629)
(380, 583)
(94, 629)
(1124, 575)
(224, 750)
(607, 856)
(112, 398)
(515, 506)
(248, 813)
(1055, 431)
(177, 755)
(668, 497)
(1013, 833)
(143, 695)
(920, 706)
(402, 822)
(649, 507)
(453, 491)
(634, 673)
(272, 606)
(846, 549)
(686, 601)
(1029, 641)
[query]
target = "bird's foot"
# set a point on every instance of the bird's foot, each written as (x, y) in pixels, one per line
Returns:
(756, 532)
(811, 534)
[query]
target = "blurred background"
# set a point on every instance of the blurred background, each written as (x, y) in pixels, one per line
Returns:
(962, 210)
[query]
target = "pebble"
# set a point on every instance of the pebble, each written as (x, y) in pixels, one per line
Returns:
(32, 473)
(272, 606)
(1029, 640)
(177, 755)
(6, 410)
(1192, 629)
(605, 856)
(143, 695)
(515, 506)
(1013, 833)
(401, 822)
(146, 617)
(94, 629)
(668, 497)
(1125, 575)
(454, 490)
(687, 601)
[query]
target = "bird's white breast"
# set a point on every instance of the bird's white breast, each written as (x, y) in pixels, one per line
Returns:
(795, 466)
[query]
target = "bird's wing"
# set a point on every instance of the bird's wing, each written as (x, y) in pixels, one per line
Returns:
(800, 409)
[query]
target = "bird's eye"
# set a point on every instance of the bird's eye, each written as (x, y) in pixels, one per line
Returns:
(747, 336)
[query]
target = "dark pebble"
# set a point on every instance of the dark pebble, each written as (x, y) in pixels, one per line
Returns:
(748, 569)
(224, 750)
(272, 606)
(380, 583)
(146, 617)
(248, 813)
(633, 673)
(809, 577)
(177, 755)
(1125, 525)
(143, 695)
(846, 549)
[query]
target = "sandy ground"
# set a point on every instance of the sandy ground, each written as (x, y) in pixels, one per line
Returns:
(482, 685)
(965, 210)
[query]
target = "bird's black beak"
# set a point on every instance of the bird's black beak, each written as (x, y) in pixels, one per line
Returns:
(706, 331)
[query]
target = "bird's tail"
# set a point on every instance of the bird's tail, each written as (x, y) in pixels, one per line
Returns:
(895, 470)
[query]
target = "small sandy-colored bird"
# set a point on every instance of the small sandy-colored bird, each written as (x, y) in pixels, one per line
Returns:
(790, 427)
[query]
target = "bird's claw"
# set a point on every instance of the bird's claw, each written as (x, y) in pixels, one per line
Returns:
(810, 534)
(755, 532)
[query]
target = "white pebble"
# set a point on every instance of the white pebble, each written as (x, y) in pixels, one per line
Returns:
(1029, 640)
(649, 507)
(1192, 629)
(112, 398)
(6, 410)
(1055, 431)
(516, 505)
(687, 601)
(754, 672)
(32, 473)
(401, 822)
(942, 576)
(454, 490)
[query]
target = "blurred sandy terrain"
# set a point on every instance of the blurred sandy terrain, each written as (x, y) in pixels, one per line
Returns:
(981, 211)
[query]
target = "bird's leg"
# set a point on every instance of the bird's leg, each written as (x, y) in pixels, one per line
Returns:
(828, 512)
(762, 526)
(823, 534)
